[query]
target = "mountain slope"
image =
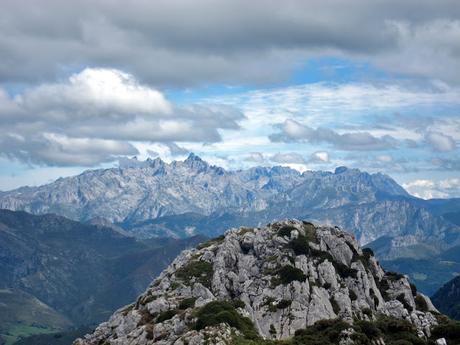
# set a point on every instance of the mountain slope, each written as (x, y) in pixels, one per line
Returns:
(269, 282)
(83, 272)
(22, 314)
(447, 298)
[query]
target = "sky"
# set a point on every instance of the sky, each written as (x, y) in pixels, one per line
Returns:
(313, 85)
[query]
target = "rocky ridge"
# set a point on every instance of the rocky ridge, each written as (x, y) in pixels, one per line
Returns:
(280, 278)
(158, 199)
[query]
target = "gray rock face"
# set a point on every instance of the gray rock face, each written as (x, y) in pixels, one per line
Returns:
(286, 276)
(156, 199)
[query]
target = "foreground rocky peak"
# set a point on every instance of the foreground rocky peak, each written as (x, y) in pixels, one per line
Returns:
(265, 282)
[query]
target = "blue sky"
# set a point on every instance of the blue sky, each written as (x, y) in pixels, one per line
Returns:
(301, 87)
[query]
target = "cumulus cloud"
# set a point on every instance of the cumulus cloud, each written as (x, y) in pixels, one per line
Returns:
(184, 42)
(288, 158)
(97, 115)
(319, 157)
(255, 157)
(429, 189)
(293, 131)
(440, 142)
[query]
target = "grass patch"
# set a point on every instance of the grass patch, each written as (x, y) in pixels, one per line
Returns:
(217, 312)
(324, 332)
(17, 332)
(420, 303)
(210, 242)
(448, 329)
(187, 303)
(310, 232)
(201, 271)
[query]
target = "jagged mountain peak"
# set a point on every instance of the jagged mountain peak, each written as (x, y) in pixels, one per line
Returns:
(139, 192)
(266, 282)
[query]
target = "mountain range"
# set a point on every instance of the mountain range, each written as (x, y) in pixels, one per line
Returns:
(179, 199)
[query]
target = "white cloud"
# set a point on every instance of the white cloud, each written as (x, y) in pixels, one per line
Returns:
(288, 158)
(227, 41)
(99, 114)
(428, 189)
(255, 157)
(293, 131)
(440, 142)
(320, 157)
(384, 158)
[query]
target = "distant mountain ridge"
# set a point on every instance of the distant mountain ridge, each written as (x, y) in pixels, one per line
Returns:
(56, 272)
(151, 198)
(447, 298)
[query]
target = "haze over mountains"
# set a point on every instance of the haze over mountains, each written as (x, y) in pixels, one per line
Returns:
(157, 199)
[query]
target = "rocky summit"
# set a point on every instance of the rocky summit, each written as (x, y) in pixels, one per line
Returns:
(271, 285)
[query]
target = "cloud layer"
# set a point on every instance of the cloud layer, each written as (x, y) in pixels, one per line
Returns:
(428, 189)
(292, 131)
(97, 115)
(189, 43)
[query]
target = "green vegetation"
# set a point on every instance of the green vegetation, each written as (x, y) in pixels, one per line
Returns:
(201, 271)
(210, 242)
(420, 303)
(237, 303)
(448, 329)
(321, 255)
(22, 315)
(288, 274)
(389, 329)
(285, 230)
(367, 253)
(300, 245)
(393, 276)
(60, 338)
(217, 312)
(310, 232)
(166, 315)
(344, 271)
(324, 332)
(187, 303)
(22, 331)
(395, 331)
(283, 304)
(269, 302)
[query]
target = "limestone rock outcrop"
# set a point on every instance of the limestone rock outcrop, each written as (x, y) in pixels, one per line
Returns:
(283, 277)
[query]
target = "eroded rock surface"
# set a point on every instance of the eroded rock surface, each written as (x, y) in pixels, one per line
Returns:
(283, 277)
